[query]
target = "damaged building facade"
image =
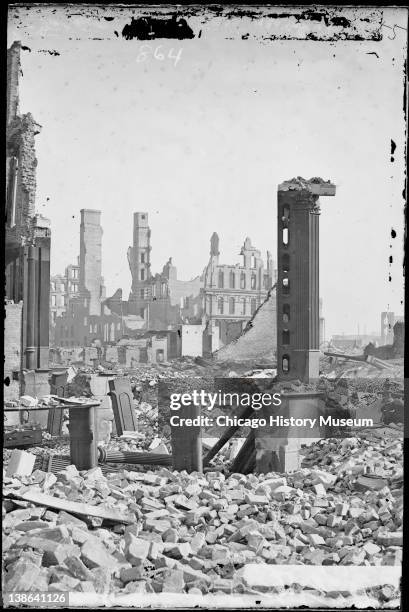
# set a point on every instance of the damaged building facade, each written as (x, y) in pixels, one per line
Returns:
(233, 293)
(145, 328)
(63, 288)
(27, 247)
(161, 300)
(204, 313)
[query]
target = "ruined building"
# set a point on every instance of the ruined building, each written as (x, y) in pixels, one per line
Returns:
(82, 314)
(232, 293)
(63, 288)
(206, 312)
(388, 320)
(81, 317)
(161, 300)
(27, 248)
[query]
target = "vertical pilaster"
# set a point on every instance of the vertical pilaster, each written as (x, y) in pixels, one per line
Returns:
(30, 350)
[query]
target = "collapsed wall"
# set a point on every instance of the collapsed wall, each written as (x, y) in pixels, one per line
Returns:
(259, 338)
(390, 351)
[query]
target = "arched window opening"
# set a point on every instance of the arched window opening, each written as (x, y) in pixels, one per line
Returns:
(285, 236)
(231, 305)
(286, 336)
(286, 363)
(253, 305)
(232, 280)
(221, 279)
(242, 280)
(253, 281)
(286, 313)
(243, 307)
(286, 285)
(220, 305)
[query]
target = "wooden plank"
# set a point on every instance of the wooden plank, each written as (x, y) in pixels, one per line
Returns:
(55, 421)
(42, 499)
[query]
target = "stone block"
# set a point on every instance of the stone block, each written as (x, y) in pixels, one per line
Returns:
(22, 576)
(94, 554)
(21, 463)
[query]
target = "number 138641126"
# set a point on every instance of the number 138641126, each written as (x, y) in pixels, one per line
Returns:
(147, 51)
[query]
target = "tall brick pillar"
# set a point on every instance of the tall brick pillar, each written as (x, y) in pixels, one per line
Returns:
(91, 281)
(298, 277)
(139, 256)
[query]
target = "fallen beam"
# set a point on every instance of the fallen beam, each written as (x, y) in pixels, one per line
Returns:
(247, 413)
(42, 499)
(242, 457)
(380, 364)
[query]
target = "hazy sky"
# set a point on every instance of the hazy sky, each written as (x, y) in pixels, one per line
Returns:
(201, 146)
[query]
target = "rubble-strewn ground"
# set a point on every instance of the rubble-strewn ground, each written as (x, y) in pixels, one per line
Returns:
(202, 533)
(216, 533)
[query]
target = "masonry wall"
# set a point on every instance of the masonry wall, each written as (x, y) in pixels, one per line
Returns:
(91, 281)
(259, 339)
(12, 348)
(192, 340)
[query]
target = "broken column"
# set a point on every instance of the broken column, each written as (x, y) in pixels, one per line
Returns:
(187, 441)
(298, 277)
(298, 313)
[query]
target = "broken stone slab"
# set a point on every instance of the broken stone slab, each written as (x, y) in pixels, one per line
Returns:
(57, 534)
(251, 498)
(320, 490)
(86, 586)
(62, 582)
(22, 576)
(64, 518)
(325, 478)
(366, 483)
(94, 554)
(13, 518)
(136, 549)
(173, 581)
(131, 574)
(54, 553)
(390, 538)
(78, 535)
(177, 551)
(78, 569)
(102, 579)
(158, 526)
(43, 499)
(371, 549)
(31, 525)
(282, 492)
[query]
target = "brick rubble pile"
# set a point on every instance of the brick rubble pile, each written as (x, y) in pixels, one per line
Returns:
(203, 533)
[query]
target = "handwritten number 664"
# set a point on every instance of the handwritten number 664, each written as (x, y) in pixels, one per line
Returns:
(145, 50)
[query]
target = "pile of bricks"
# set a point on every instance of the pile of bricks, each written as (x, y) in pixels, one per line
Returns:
(205, 533)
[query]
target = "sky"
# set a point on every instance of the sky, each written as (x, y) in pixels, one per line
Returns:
(202, 145)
